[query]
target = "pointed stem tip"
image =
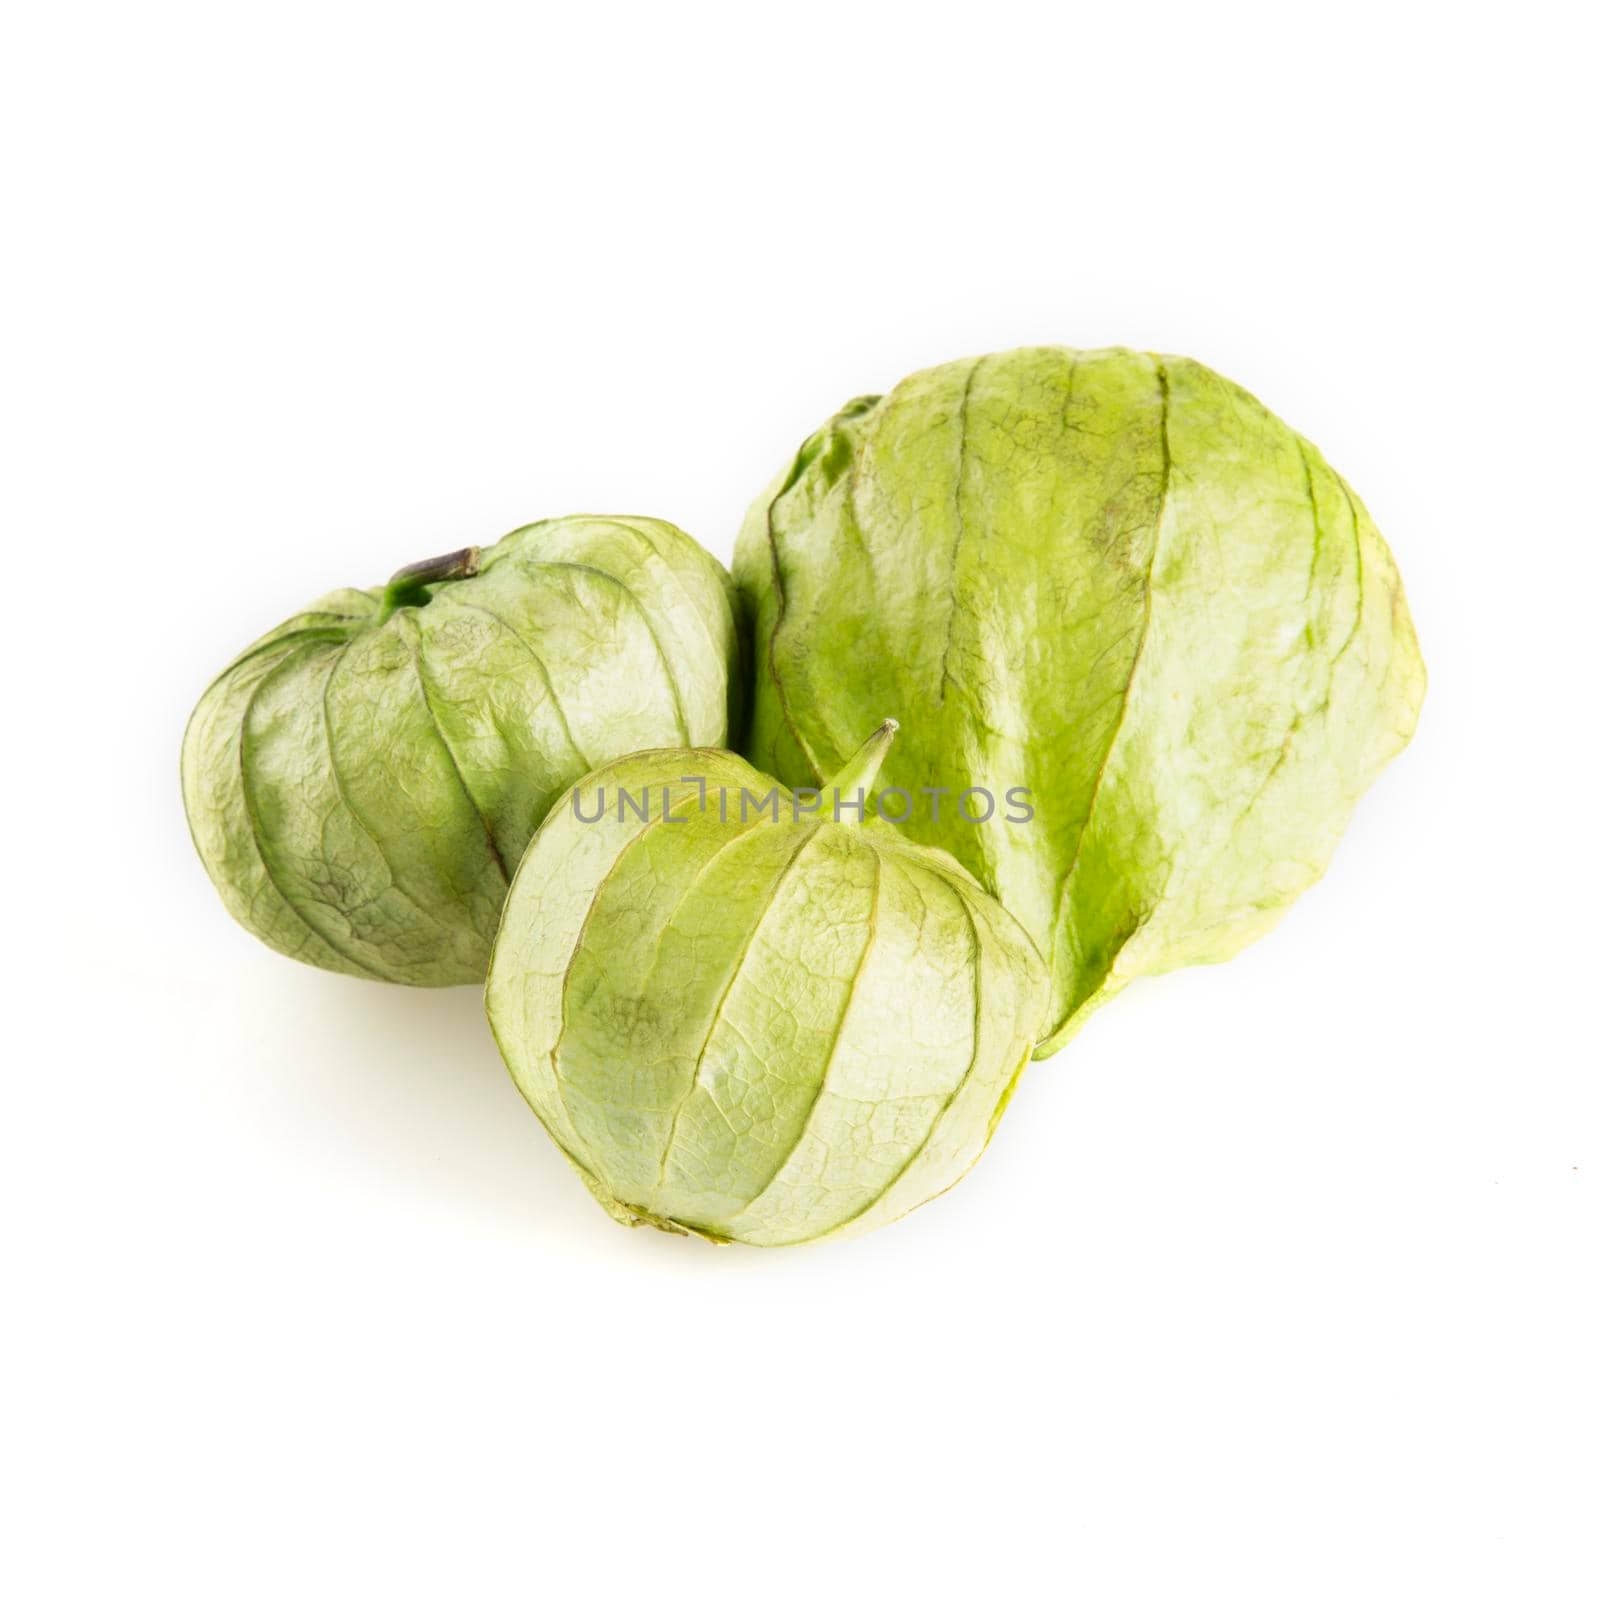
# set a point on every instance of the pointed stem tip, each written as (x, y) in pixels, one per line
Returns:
(854, 781)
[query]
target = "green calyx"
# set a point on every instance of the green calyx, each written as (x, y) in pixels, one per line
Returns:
(1113, 585)
(762, 1028)
(362, 781)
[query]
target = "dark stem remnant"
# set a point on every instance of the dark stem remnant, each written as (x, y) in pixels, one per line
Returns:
(409, 586)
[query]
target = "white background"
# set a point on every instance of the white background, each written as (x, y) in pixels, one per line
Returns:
(1281, 1281)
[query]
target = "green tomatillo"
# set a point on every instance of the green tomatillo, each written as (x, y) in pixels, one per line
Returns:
(362, 781)
(1116, 586)
(743, 1013)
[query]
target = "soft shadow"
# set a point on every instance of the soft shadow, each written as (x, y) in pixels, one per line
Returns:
(402, 1092)
(404, 1089)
